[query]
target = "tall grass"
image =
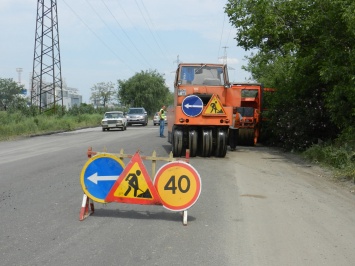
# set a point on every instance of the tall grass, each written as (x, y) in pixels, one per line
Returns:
(14, 125)
(339, 156)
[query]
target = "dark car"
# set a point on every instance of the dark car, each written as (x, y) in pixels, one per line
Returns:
(137, 115)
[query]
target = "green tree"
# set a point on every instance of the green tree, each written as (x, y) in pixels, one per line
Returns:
(10, 94)
(304, 49)
(146, 89)
(103, 93)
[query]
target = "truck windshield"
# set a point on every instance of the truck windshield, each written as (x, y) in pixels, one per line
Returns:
(202, 75)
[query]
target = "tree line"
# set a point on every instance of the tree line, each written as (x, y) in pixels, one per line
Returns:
(305, 50)
(144, 89)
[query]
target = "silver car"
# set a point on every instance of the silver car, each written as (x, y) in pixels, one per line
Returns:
(156, 119)
(137, 115)
(114, 119)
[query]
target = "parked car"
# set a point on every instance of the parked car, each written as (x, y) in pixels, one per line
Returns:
(114, 119)
(156, 119)
(137, 115)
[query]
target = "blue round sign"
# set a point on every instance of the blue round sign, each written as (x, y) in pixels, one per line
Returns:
(99, 175)
(192, 105)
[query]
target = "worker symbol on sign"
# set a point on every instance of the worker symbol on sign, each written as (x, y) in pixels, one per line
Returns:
(134, 185)
(132, 180)
(214, 108)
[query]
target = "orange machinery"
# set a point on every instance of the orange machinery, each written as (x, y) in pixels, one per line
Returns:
(201, 118)
(248, 118)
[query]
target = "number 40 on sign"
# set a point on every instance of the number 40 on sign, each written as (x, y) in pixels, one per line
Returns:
(178, 185)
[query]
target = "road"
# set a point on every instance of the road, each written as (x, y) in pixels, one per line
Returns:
(258, 206)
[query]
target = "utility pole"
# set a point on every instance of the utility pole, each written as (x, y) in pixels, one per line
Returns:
(46, 85)
(225, 57)
(19, 70)
(177, 61)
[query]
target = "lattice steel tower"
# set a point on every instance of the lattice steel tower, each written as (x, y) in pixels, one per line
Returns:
(46, 85)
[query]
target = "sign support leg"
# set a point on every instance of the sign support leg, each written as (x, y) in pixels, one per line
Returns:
(184, 217)
(84, 212)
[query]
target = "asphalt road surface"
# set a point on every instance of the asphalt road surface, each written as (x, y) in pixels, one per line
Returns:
(258, 206)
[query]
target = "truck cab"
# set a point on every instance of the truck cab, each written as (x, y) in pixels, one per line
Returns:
(200, 118)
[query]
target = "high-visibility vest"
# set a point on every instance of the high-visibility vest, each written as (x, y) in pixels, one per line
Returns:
(162, 114)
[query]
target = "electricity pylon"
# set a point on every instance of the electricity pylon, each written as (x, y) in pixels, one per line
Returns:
(46, 85)
(225, 58)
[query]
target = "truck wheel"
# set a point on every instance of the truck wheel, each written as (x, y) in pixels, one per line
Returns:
(177, 143)
(221, 143)
(193, 142)
(246, 136)
(206, 143)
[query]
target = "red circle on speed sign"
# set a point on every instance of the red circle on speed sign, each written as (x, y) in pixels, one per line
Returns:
(178, 185)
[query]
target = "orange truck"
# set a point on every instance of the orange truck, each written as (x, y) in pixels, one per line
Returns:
(203, 114)
(248, 118)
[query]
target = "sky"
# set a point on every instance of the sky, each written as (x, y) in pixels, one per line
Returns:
(110, 40)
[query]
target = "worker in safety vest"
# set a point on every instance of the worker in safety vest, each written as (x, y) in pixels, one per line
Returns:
(162, 116)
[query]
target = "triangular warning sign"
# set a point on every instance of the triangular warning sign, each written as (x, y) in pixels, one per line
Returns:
(134, 185)
(214, 107)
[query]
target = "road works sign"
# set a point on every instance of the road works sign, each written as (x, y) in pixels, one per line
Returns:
(192, 105)
(214, 107)
(99, 174)
(134, 185)
(178, 185)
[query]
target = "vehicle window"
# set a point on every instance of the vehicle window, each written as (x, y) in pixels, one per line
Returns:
(113, 115)
(250, 93)
(135, 111)
(118, 115)
(201, 75)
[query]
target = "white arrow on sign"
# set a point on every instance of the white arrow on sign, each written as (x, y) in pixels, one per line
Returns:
(193, 106)
(95, 178)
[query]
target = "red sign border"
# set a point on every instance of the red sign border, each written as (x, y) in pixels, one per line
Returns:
(214, 96)
(156, 198)
(195, 174)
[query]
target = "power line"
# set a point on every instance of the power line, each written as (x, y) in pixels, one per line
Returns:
(128, 17)
(150, 29)
(220, 40)
(125, 33)
(93, 32)
(109, 28)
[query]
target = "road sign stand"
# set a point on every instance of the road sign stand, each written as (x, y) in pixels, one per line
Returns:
(87, 207)
(184, 217)
(86, 204)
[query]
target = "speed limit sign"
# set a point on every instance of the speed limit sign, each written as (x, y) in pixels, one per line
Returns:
(178, 185)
